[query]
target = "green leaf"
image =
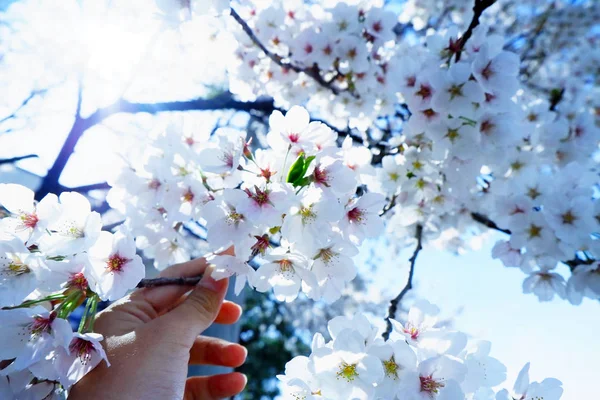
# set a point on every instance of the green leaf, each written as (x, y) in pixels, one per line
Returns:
(297, 170)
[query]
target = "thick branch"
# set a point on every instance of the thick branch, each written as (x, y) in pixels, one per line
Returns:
(478, 8)
(221, 102)
(180, 281)
(394, 303)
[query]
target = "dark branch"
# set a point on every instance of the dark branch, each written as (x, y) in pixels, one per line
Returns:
(15, 159)
(23, 104)
(478, 8)
(389, 206)
(312, 71)
(572, 263)
(181, 281)
(87, 188)
(575, 262)
(484, 220)
(556, 95)
(224, 101)
(394, 303)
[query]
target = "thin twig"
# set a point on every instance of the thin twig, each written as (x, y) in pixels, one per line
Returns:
(389, 206)
(484, 220)
(180, 281)
(23, 104)
(87, 188)
(394, 303)
(15, 159)
(312, 71)
(478, 8)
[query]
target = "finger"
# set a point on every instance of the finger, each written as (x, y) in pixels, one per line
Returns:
(199, 310)
(229, 313)
(214, 387)
(214, 351)
(164, 297)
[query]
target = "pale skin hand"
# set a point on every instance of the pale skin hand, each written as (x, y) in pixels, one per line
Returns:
(152, 335)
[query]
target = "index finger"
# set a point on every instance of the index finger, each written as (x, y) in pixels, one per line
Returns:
(163, 298)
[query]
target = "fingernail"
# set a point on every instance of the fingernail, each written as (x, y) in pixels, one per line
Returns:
(207, 282)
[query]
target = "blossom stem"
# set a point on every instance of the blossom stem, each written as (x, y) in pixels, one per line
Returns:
(29, 303)
(84, 316)
(285, 162)
(70, 303)
(93, 310)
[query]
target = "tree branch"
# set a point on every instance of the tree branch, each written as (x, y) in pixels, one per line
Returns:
(312, 71)
(394, 303)
(180, 281)
(224, 101)
(484, 220)
(23, 104)
(87, 188)
(478, 8)
(556, 95)
(15, 159)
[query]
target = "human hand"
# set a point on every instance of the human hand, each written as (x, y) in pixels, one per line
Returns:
(152, 335)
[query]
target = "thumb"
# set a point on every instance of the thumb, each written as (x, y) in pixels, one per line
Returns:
(199, 310)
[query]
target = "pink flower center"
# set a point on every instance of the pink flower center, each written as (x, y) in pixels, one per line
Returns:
(356, 215)
(188, 196)
(261, 197)
(294, 137)
(261, 245)
(29, 220)
(78, 281)
(424, 92)
(116, 263)
(430, 385)
(377, 26)
(486, 127)
(83, 349)
(320, 176)
(154, 184)
(487, 72)
(412, 331)
(41, 325)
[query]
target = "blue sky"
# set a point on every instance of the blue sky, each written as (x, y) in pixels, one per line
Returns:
(486, 301)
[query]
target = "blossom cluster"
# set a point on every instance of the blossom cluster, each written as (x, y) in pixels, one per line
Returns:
(346, 47)
(54, 257)
(420, 361)
(475, 141)
(292, 208)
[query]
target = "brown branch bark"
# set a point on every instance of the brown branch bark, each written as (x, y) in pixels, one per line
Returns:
(478, 8)
(180, 281)
(312, 71)
(396, 301)
(484, 220)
